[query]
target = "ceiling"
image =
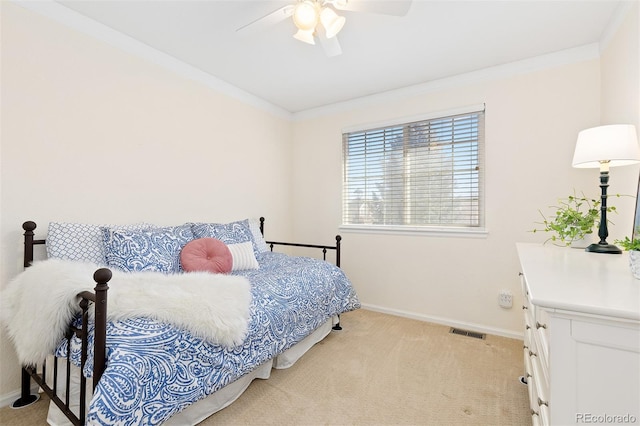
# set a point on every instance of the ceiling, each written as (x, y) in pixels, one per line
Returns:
(434, 40)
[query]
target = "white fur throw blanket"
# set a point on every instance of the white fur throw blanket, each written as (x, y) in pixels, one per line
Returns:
(38, 305)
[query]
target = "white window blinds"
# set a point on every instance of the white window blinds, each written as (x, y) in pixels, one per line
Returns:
(423, 173)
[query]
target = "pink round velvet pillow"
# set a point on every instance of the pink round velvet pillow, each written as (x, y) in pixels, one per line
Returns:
(206, 254)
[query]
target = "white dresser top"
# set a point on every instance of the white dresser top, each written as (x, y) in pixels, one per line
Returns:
(573, 280)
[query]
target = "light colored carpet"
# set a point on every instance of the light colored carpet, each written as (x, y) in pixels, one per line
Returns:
(379, 370)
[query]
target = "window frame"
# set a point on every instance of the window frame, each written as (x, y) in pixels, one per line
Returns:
(479, 231)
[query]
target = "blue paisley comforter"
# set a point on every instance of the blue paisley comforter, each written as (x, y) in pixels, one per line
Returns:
(155, 370)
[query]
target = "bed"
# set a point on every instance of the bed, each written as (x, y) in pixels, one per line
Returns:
(170, 346)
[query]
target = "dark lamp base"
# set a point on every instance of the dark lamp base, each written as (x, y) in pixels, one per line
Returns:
(603, 248)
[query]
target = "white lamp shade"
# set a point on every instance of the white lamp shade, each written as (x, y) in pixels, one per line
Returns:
(306, 36)
(331, 22)
(616, 144)
(305, 15)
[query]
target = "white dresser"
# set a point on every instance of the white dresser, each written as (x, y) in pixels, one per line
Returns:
(582, 336)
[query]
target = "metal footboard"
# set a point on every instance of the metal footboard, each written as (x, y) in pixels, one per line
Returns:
(39, 373)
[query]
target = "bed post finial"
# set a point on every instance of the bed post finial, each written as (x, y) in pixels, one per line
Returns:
(338, 239)
(29, 226)
(102, 277)
(262, 226)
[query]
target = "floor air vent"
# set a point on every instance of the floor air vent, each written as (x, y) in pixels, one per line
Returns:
(462, 332)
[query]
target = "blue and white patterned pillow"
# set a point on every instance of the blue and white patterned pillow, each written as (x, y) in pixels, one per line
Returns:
(155, 249)
(81, 241)
(229, 233)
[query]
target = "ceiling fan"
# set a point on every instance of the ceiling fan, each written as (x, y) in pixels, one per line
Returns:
(317, 19)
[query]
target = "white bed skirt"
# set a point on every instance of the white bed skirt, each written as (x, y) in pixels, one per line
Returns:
(200, 410)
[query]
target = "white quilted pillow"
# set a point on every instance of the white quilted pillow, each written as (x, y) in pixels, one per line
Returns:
(81, 241)
(258, 238)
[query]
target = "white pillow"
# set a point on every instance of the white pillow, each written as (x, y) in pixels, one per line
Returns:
(243, 256)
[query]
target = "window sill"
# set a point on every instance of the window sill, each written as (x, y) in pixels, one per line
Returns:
(417, 230)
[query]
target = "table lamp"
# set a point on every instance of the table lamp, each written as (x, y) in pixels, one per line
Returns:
(604, 147)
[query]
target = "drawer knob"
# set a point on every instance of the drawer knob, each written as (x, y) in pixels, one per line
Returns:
(525, 307)
(538, 325)
(532, 353)
(541, 402)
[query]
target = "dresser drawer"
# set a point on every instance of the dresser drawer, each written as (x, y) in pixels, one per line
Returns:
(533, 394)
(541, 381)
(529, 322)
(535, 418)
(536, 323)
(528, 369)
(538, 392)
(527, 309)
(536, 350)
(529, 334)
(544, 416)
(541, 324)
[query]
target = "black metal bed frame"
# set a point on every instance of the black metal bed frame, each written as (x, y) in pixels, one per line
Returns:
(99, 299)
(323, 247)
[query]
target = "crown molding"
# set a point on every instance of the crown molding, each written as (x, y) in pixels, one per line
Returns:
(90, 27)
(538, 63)
(83, 24)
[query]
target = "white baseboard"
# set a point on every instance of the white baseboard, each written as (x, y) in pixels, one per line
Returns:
(6, 400)
(446, 321)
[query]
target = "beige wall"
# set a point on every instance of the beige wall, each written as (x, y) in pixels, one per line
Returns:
(532, 121)
(92, 134)
(620, 86)
(109, 137)
(531, 125)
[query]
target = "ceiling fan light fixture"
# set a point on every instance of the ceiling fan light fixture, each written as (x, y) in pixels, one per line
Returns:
(305, 15)
(305, 36)
(331, 22)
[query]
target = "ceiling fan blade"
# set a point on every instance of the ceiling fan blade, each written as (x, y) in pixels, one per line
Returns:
(267, 20)
(386, 7)
(331, 46)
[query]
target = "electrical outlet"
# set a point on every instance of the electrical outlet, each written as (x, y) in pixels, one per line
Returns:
(505, 299)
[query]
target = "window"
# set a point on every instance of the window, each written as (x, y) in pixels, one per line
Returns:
(426, 173)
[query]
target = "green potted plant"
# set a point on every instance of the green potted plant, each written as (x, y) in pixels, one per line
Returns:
(632, 245)
(573, 221)
(629, 244)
